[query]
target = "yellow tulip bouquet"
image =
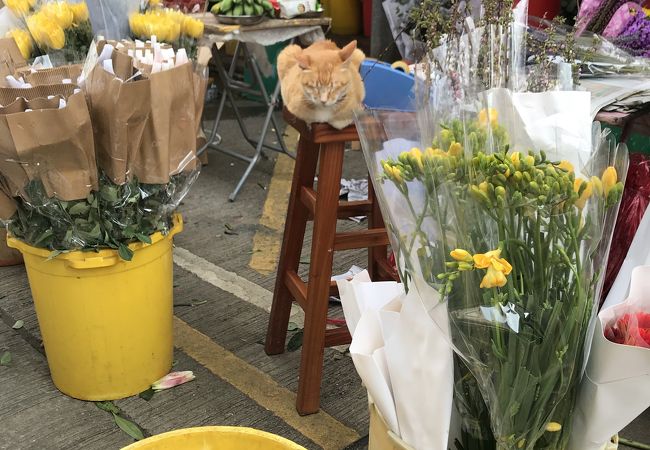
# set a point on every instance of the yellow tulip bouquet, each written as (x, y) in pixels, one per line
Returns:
(508, 224)
(167, 25)
(60, 29)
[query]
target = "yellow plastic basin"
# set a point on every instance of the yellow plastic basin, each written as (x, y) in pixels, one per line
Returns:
(215, 438)
(106, 323)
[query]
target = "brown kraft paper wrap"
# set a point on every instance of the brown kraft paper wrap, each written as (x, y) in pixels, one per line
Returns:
(57, 147)
(169, 143)
(9, 95)
(119, 113)
(10, 59)
(55, 75)
(7, 207)
(11, 167)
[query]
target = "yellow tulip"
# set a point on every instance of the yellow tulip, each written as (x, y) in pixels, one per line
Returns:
(60, 12)
(565, 165)
(23, 41)
(80, 12)
(461, 255)
(193, 28)
(610, 177)
(488, 115)
(553, 427)
(19, 7)
(455, 149)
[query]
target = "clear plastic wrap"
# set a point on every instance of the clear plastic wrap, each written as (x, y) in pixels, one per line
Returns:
(503, 203)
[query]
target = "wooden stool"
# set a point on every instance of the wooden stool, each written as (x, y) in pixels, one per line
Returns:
(323, 207)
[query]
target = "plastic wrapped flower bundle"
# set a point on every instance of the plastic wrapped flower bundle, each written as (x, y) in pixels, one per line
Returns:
(167, 25)
(501, 209)
(103, 164)
(59, 29)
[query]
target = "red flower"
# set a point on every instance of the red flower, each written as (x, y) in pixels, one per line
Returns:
(630, 329)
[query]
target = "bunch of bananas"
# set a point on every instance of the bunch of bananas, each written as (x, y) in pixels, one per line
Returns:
(242, 7)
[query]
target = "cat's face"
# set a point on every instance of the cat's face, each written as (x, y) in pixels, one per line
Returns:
(325, 84)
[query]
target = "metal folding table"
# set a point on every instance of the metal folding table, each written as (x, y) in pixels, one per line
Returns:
(268, 32)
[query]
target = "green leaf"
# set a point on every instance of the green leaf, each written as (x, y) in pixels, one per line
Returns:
(78, 209)
(18, 325)
(5, 359)
(146, 395)
(108, 406)
(129, 427)
(292, 326)
(125, 252)
(109, 193)
(143, 238)
(295, 342)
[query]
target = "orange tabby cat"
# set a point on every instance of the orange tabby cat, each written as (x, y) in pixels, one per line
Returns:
(322, 83)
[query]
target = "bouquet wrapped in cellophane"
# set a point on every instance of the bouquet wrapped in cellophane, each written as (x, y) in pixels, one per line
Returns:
(106, 162)
(501, 213)
(59, 29)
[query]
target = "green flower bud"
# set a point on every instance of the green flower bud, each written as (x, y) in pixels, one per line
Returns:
(500, 191)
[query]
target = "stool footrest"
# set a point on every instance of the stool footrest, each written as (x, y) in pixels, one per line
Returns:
(374, 237)
(337, 336)
(345, 209)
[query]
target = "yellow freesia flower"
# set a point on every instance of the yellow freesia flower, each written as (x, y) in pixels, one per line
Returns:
(493, 278)
(515, 158)
(455, 149)
(597, 185)
(553, 427)
(609, 178)
(60, 12)
(193, 28)
(488, 115)
(416, 158)
(23, 41)
(461, 255)
(565, 165)
(586, 193)
(80, 12)
(483, 260)
(483, 186)
(46, 32)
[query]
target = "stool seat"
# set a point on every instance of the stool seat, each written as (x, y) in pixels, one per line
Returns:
(320, 146)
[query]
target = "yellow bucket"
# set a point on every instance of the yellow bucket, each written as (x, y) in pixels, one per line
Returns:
(215, 438)
(106, 323)
(345, 14)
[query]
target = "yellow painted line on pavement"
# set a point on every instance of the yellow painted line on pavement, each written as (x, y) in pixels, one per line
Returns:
(268, 238)
(321, 428)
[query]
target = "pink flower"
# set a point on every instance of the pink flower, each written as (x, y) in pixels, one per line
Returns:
(173, 379)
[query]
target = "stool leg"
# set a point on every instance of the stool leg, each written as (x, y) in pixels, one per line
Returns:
(294, 233)
(375, 254)
(320, 273)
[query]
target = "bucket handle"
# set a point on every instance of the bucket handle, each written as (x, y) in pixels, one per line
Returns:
(92, 263)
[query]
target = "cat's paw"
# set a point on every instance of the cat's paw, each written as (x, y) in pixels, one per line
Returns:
(340, 124)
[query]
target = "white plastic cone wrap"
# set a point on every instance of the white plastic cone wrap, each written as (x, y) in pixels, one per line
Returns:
(403, 358)
(616, 385)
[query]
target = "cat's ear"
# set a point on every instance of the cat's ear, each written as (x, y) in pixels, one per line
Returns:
(347, 51)
(303, 61)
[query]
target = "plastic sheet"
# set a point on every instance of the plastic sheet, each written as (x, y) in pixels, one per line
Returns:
(505, 211)
(636, 197)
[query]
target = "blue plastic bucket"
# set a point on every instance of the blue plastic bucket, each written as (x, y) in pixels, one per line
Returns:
(387, 88)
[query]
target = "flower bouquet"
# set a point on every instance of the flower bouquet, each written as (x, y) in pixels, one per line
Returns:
(171, 26)
(501, 217)
(118, 165)
(59, 29)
